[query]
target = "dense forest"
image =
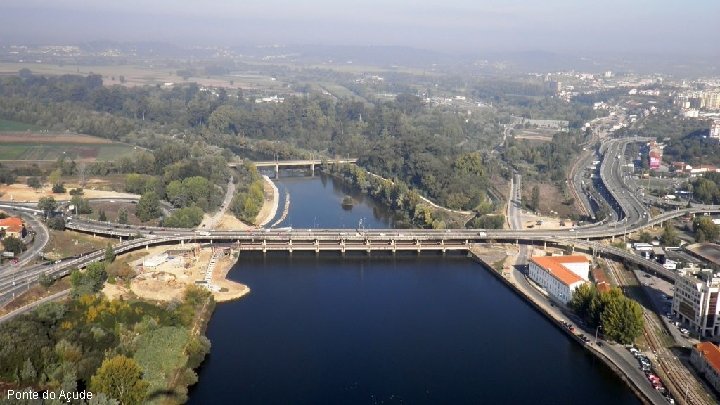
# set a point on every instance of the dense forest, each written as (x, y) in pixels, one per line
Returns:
(425, 147)
(124, 351)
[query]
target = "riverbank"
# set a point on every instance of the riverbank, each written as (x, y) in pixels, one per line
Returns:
(270, 203)
(164, 272)
(509, 276)
(268, 211)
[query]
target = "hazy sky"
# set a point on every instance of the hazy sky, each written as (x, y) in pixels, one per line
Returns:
(654, 26)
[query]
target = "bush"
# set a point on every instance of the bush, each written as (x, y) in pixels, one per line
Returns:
(188, 217)
(57, 223)
(58, 188)
(77, 191)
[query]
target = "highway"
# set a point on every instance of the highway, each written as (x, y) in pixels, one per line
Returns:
(633, 212)
(41, 238)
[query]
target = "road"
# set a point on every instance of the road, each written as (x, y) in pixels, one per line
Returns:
(515, 202)
(42, 236)
(210, 222)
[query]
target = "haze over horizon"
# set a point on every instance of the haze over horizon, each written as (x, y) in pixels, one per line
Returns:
(564, 26)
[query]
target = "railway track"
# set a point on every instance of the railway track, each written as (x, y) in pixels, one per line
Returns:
(679, 380)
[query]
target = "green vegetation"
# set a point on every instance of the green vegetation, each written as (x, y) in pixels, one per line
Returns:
(14, 126)
(188, 217)
(620, 318)
(249, 197)
(148, 207)
(705, 230)
(13, 244)
(669, 236)
(396, 195)
(47, 205)
(131, 351)
(706, 189)
(120, 378)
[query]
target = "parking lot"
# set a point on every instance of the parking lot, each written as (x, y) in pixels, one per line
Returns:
(660, 292)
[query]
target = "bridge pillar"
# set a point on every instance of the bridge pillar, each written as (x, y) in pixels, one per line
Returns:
(544, 244)
(147, 247)
(312, 169)
(277, 171)
(182, 242)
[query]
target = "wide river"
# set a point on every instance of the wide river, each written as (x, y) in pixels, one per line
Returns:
(385, 330)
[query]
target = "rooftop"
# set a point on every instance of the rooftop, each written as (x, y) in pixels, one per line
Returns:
(711, 353)
(555, 265)
(12, 224)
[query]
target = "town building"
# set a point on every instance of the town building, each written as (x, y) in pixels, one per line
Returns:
(695, 302)
(560, 276)
(655, 154)
(715, 129)
(706, 359)
(13, 226)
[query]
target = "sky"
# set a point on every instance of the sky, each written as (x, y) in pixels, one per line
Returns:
(570, 26)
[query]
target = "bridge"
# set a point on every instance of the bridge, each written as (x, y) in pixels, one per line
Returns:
(311, 163)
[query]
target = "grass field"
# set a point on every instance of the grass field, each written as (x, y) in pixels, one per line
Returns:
(52, 146)
(14, 126)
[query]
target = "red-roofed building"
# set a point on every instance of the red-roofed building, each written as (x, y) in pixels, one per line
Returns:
(601, 280)
(13, 226)
(706, 358)
(559, 275)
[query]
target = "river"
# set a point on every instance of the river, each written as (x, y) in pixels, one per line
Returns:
(385, 330)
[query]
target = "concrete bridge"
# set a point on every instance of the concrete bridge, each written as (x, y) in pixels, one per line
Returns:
(311, 163)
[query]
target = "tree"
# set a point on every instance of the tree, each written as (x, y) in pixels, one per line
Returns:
(109, 254)
(34, 182)
(57, 223)
(535, 198)
(122, 216)
(54, 177)
(90, 281)
(28, 373)
(13, 244)
(187, 217)
(705, 225)
(58, 188)
(47, 205)
(45, 280)
(82, 205)
(148, 207)
(102, 216)
(120, 378)
(622, 320)
(620, 317)
(669, 236)
(645, 237)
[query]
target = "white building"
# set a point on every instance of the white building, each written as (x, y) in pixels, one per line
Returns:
(715, 129)
(695, 303)
(559, 275)
(706, 359)
(154, 261)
